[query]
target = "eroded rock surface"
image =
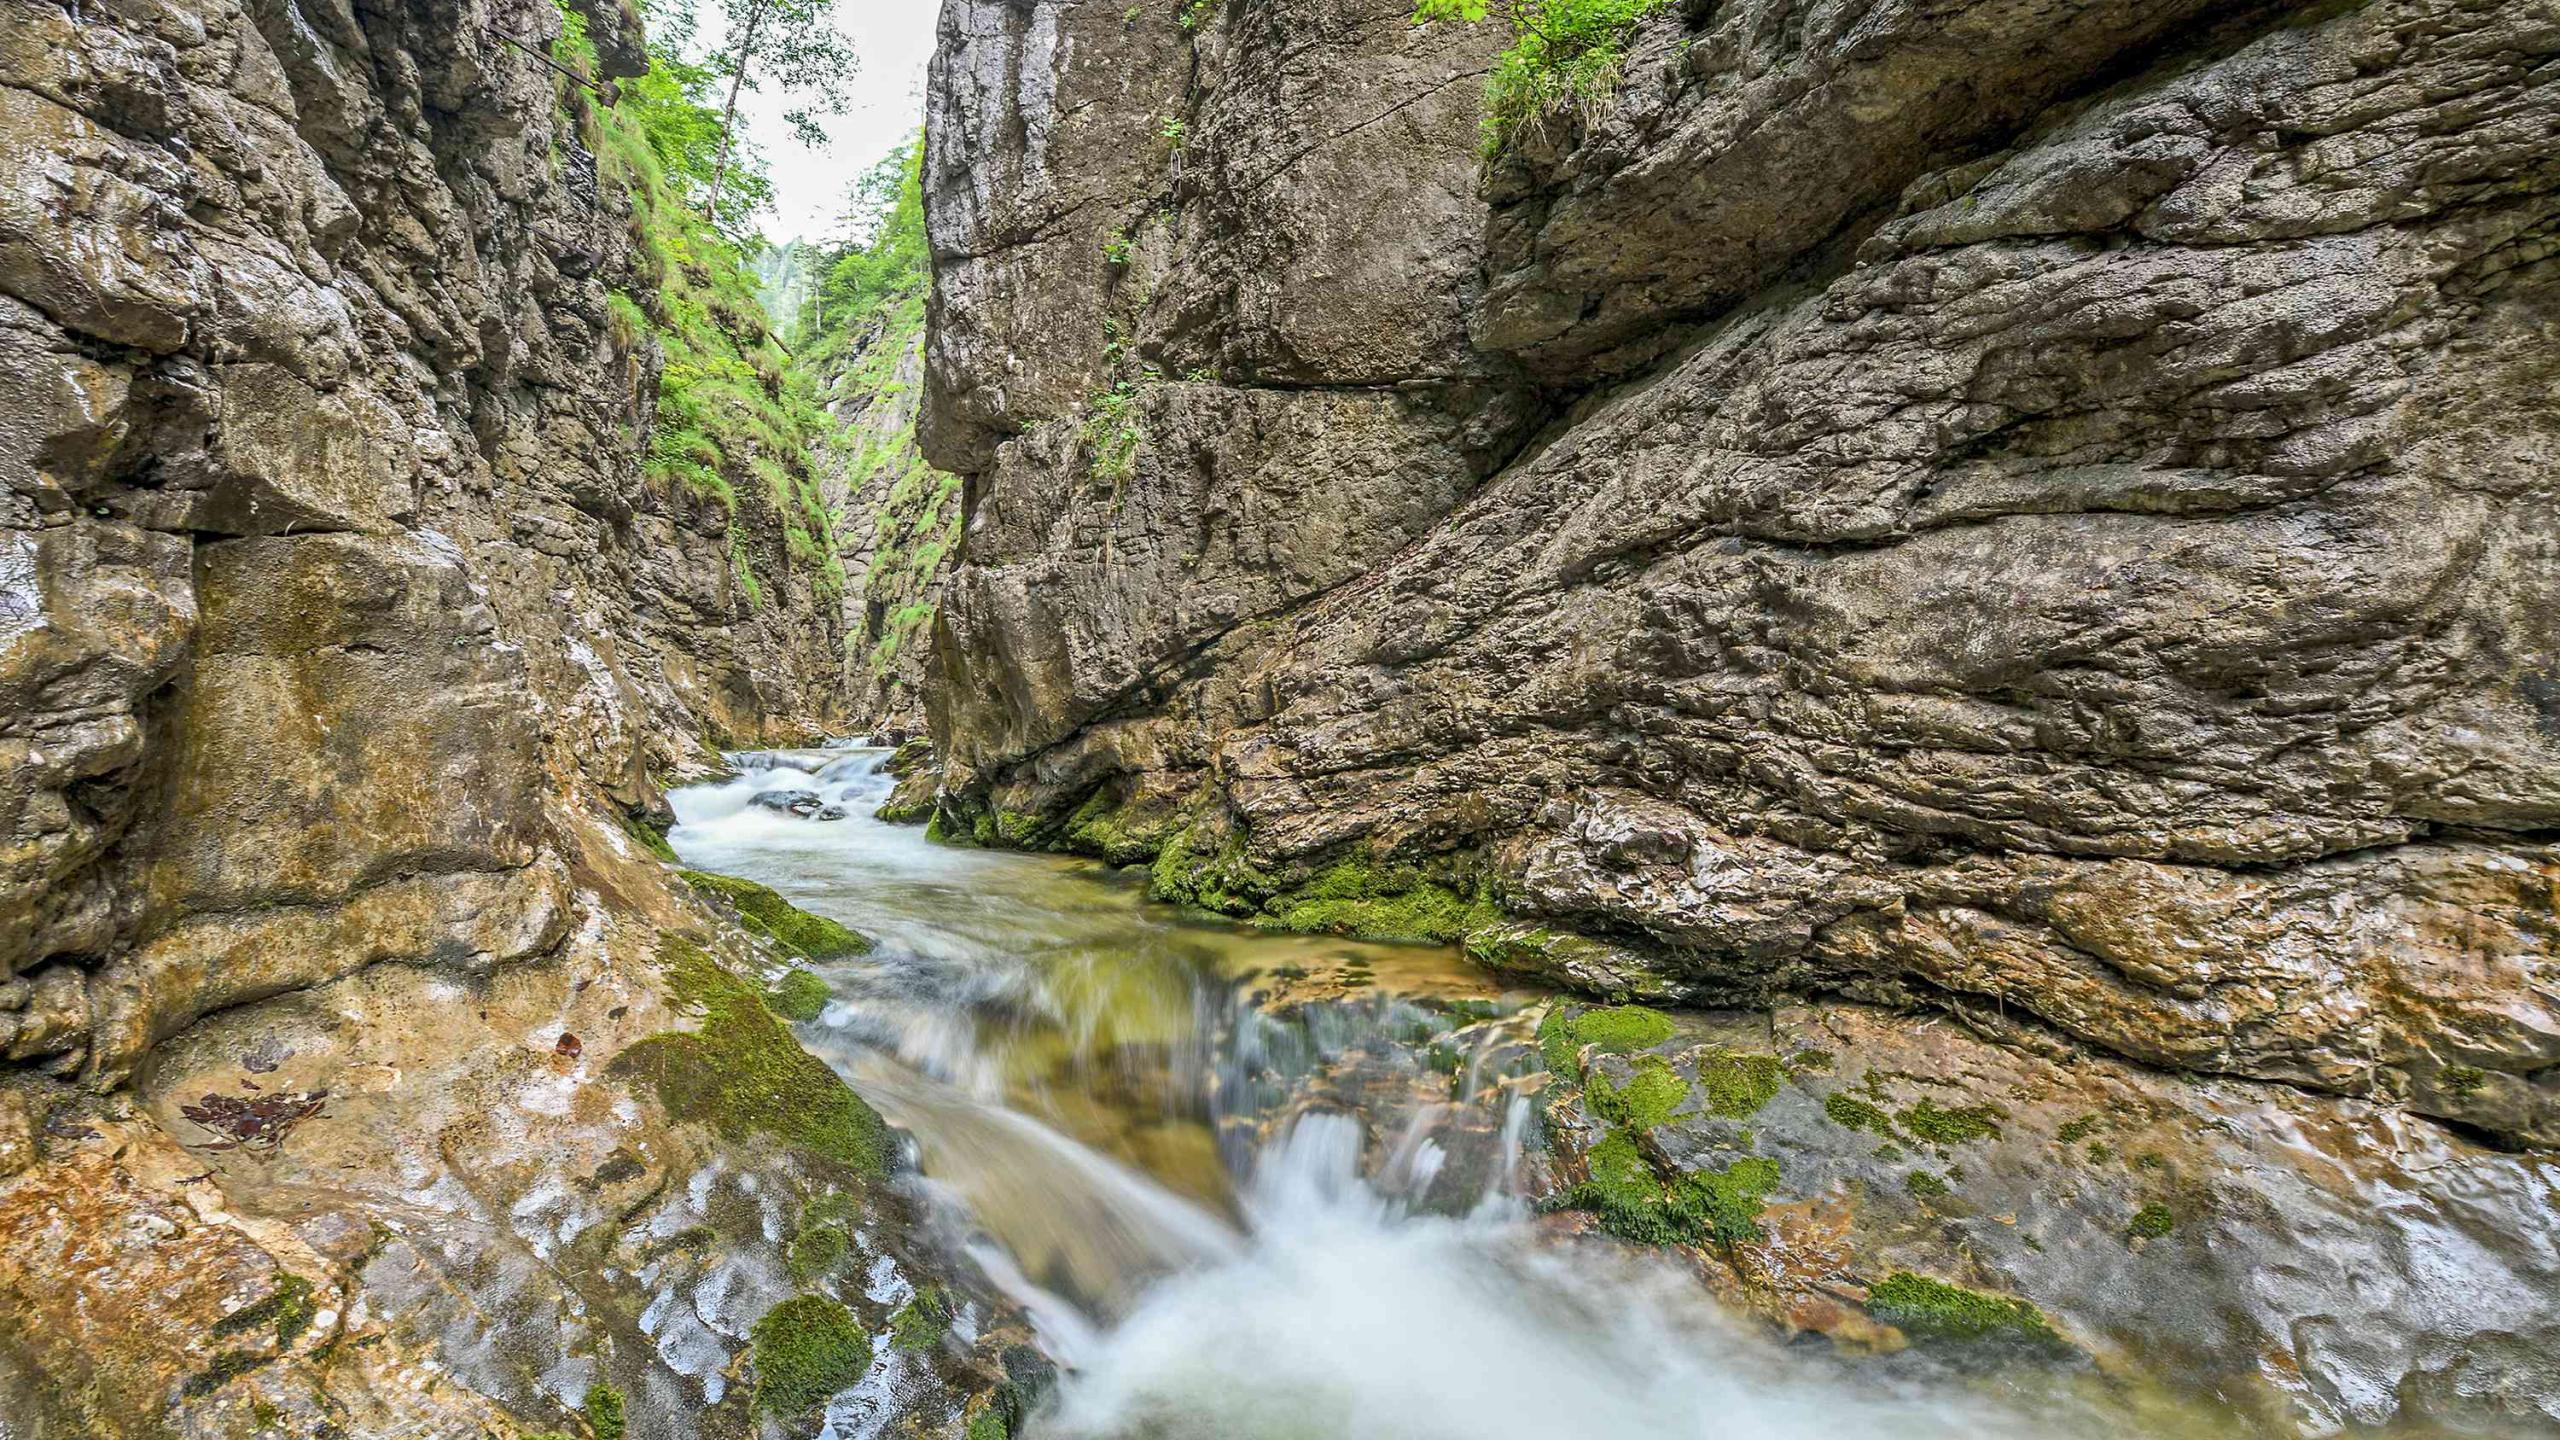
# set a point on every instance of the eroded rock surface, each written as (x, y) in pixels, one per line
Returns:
(340, 631)
(2038, 513)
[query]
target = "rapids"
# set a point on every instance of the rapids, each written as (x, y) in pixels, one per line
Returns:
(1267, 1187)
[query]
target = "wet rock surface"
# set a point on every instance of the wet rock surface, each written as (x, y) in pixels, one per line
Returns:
(2317, 1262)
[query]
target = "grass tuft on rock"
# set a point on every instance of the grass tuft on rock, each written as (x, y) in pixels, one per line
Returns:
(742, 1071)
(765, 912)
(806, 1350)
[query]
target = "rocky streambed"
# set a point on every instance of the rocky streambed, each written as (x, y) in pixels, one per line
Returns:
(1248, 1183)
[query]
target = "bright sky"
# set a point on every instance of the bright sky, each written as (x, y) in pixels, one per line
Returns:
(894, 38)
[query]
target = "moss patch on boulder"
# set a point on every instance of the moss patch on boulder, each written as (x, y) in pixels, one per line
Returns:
(742, 1071)
(1648, 1098)
(605, 1418)
(800, 996)
(1929, 1122)
(806, 1350)
(1631, 1201)
(1934, 1310)
(766, 913)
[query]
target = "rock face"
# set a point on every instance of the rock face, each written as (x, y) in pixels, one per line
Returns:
(903, 521)
(2036, 512)
(339, 630)
(328, 552)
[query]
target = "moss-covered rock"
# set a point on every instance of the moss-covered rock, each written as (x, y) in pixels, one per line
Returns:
(742, 1071)
(1634, 1201)
(1653, 1091)
(765, 912)
(921, 1323)
(1737, 1083)
(2150, 1222)
(801, 995)
(1938, 1126)
(1929, 1309)
(604, 1407)
(806, 1350)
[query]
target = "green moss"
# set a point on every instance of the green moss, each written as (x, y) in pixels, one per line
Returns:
(286, 1311)
(800, 996)
(1924, 1185)
(2464, 1079)
(1555, 1042)
(1648, 1098)
(742, 1071)
(922, 1321)
(894, 811)
(1738, 1083)
(2075, 1131)
(2150, 1222)
(987, 1424)
(1621, 1029)
(1101, 827)
(649, 837)
(767, 913)
(1616, 1030)
(605, 1419)
(226, 1367)
(817, 1250)
(1855, 1113)
(1937, 1126)
(1353, 897)
(1631, 1201)
(1726, 1204)
(2100, 1152)
(1934, 1310)
(806, 1350)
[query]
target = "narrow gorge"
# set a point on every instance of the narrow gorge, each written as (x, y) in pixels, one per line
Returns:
(1793, 718)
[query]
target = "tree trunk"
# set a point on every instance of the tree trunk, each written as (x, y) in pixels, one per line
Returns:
(729, 112)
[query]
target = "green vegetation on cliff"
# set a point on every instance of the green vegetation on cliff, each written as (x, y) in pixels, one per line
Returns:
(736, 419)
(1934, 1310)
(863, 332)
(1563, 54)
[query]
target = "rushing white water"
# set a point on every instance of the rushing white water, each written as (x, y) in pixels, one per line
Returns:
(1083, 1073)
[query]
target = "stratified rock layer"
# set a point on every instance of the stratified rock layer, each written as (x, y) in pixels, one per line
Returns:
(2036, 511)
(340, 633)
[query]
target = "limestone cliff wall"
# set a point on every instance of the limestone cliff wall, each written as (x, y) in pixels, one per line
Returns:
(342, 637)
(2036, 513)
(900, 520)
(2042, 509)
(328, 558)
